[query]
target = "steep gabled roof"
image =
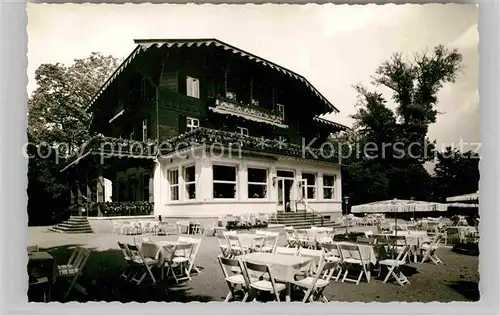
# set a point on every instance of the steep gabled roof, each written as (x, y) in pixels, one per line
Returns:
(144, 44)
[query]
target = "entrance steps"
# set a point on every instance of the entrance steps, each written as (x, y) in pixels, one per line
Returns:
(74, 225)
(301, 220)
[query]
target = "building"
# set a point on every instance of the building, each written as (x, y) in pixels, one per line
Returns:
(201, 129)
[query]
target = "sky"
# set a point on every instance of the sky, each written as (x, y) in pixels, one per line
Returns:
(333, 46)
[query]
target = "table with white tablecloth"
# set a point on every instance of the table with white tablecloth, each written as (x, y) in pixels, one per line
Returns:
(283, 267)
(367, 252)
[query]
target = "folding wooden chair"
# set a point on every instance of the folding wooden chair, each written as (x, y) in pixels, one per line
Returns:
(72, 259)
(143, 263)
(332, 254)
(196, 246)
(303, 238)
(258, 242)
(180, 259)
(291, 237)
(313, 286)
(394, 267)
(237, 278)
(262, 283)
(352, 256)
(222, 240)
(127, 256)
(286, 251)
(318, 257)
(235, 246)
(31, 249)
(270, 242)
(75, 271)
(429, 250)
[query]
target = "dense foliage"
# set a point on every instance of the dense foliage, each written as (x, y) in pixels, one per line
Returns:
(58, 123)
(391, 146)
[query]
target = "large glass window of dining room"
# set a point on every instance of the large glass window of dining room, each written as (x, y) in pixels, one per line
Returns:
(225, 180)
(257, 183)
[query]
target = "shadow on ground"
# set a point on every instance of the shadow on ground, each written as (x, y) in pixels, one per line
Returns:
(101, 279)
(469, 290)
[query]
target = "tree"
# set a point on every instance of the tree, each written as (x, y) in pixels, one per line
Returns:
(57, 115)
(398, 139)
(456, 173)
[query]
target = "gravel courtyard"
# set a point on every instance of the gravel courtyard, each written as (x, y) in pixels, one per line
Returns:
(455, 280)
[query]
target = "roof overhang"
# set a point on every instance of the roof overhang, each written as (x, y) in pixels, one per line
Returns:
(329, 123)
(144, 44)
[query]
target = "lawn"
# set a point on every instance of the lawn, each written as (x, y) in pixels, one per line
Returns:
(454, 280)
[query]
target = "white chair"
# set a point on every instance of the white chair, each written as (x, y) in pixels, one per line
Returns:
(332, 254)
(127, 256)
(180, 259)
(352, 257)
(291, 237)
(258, 242)
(117, 228)
(31, 249)
(75, 271)
(303, 238)
(429, 250)
(270, 242)
(235, 246)
(237, 278)
(316, 255)
(394, 267)
(222, 240)
(286, 251)
(314, 285)
(263, 283)
(143, 262)
(197, 229)
(196, 246)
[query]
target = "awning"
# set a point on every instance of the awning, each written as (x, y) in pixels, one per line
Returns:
(464, 198)
(399, 206)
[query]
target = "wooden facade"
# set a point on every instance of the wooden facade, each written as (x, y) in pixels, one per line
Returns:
(170, 88)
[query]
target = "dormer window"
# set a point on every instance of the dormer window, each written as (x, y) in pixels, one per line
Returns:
(243, 131)
(193, 87)
(281, 110)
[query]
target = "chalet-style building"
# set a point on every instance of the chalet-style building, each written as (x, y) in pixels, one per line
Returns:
(203, 129)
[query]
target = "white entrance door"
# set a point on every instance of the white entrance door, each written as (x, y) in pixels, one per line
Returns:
(280, 201)
(301, 195)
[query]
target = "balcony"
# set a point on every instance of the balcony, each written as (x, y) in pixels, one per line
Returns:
(247, 111)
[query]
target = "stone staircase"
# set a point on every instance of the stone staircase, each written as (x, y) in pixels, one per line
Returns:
(300, 220)
(74, 225)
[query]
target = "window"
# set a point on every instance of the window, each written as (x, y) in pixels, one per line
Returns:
(144, 130)
(192, 124)
(257, 183)
(189, 183)
(193, 87)
(310, 186)
(329, 187)
(243, 131)
(224, 179)
(281, 110)
(173, 182)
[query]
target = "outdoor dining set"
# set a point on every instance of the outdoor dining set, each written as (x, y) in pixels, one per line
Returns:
(44, 271)
(143, 257)
(312, 258)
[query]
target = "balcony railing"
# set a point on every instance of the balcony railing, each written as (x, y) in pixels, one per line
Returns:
(112, 147)
(256, 113)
